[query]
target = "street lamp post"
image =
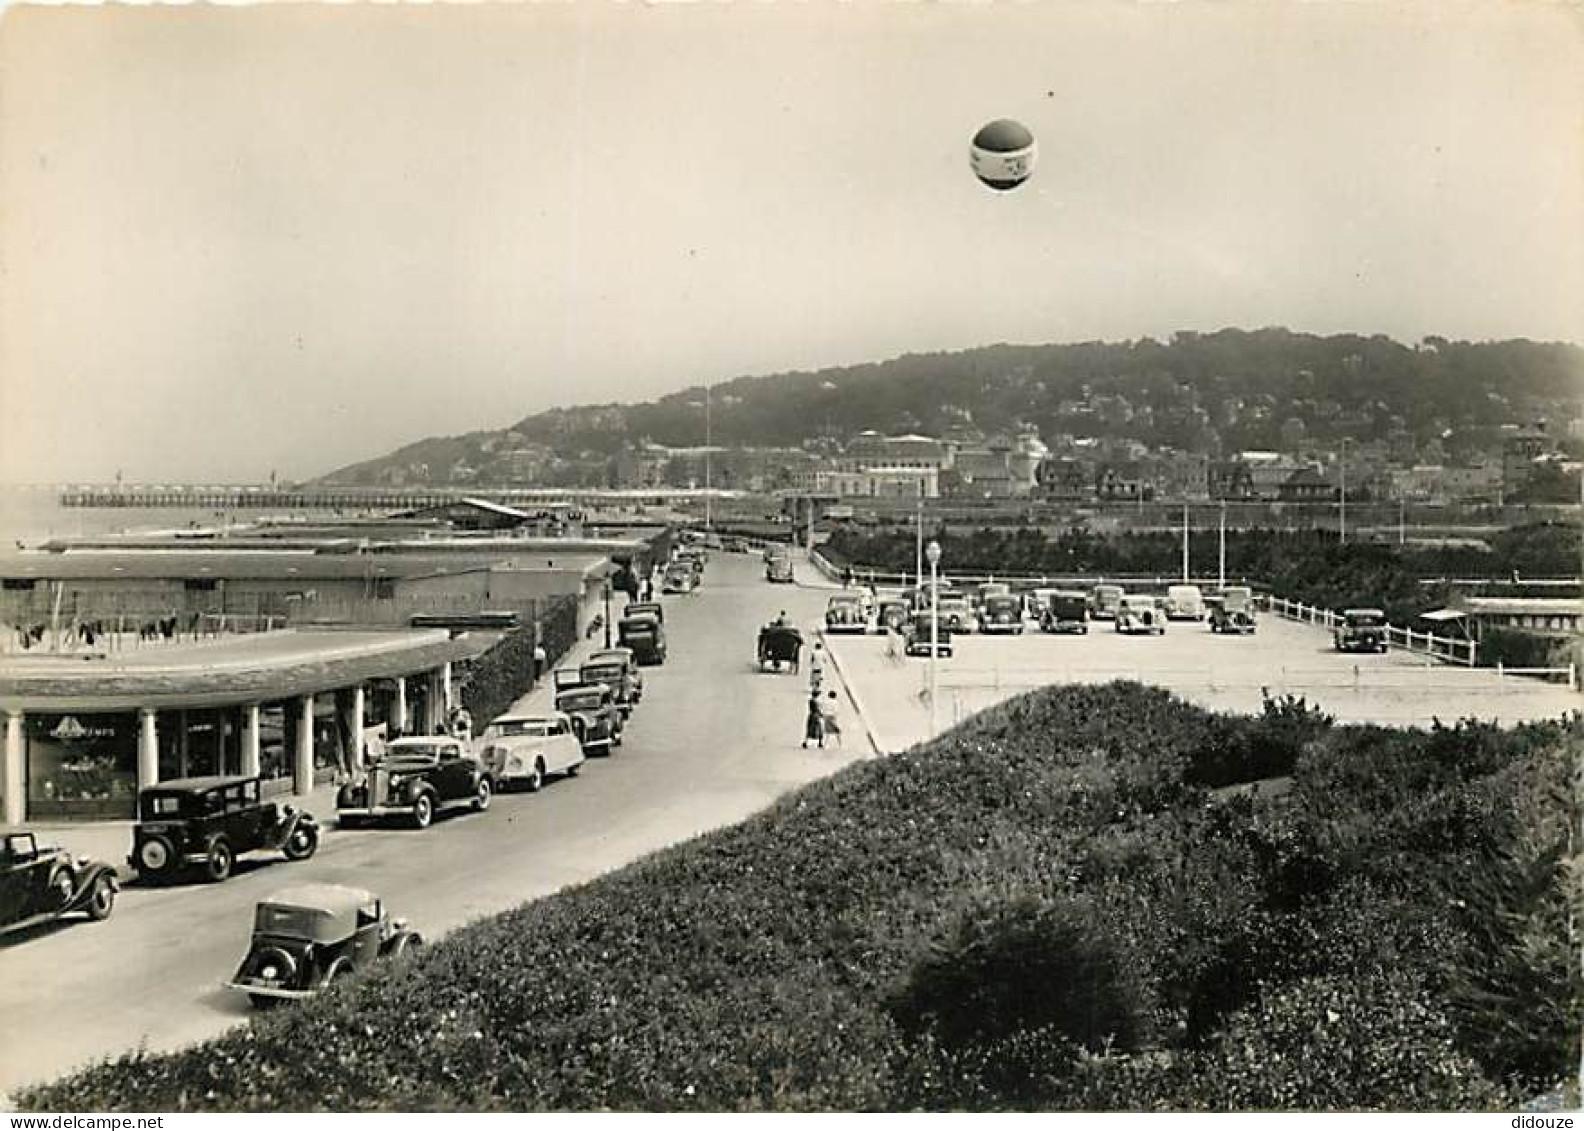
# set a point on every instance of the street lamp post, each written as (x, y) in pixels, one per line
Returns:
(709, 440)
(1342, 495)
(933, 553)
(918, 539)
(607, 612)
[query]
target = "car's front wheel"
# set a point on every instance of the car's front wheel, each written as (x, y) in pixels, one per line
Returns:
(302, 843)
(102, 901)
(217, 864)
(422, 811)
(482, 795)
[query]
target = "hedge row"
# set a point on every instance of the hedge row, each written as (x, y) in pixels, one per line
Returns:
(1044, 908)
(498, 677)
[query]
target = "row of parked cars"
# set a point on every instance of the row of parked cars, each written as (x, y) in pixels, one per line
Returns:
(995, 608)
(309, 936)
(685, 572)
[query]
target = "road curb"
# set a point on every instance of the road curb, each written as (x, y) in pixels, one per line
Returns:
(852, 696)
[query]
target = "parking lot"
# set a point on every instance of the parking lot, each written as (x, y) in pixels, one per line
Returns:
(1218, 672)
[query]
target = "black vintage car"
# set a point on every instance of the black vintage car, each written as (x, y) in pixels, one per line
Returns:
(644, 634)
(1066, 611)
(1361, 630)
(39, 884)
(414, 778)
(619, 675)
(1232, 611)
(308, 938)
(596, 719)
(209, 822)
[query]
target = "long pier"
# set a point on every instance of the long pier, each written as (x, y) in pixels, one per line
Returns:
(231, 497)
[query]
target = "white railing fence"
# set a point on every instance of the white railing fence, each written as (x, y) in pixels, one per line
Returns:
(1453, 650)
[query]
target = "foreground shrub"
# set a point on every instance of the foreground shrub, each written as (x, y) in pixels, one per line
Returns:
(1018, 966)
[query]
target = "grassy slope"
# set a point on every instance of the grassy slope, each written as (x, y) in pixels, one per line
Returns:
(750, 968)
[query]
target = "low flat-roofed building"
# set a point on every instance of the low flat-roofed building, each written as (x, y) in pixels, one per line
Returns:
(84, 734)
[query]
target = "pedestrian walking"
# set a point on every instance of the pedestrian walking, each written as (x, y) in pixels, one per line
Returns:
(814, 722)
(816, 667)
(829, 724)
(541, 658)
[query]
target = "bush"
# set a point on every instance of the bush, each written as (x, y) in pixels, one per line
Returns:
(1017, 966)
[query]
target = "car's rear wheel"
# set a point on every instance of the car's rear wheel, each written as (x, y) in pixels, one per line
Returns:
(102, 900)
(536, 780)
(422, 811)
(302, 843)
(482, 795)
(217, 864)
(572, 770)
(155, 856)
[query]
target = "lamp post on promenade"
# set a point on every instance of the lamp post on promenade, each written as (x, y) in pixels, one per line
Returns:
(607, 612)
(933, 553)
(1342, 494)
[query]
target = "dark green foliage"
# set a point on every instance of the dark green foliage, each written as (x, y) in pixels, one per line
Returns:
(1022, 964)
(1370, 385)
(1246, 950)
(498, 677)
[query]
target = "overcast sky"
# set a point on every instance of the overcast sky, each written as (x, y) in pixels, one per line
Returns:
(237, 240)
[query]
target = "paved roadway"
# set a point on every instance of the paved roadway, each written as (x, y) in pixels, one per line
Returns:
(712, 742)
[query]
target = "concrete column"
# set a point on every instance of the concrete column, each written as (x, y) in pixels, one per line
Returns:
(148, 747)
(398, 719)
(250, 740)
(355, 756)
(445, 690)
(303, 764)
(13, 772)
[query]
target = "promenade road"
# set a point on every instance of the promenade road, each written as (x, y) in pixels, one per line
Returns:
(713, 741)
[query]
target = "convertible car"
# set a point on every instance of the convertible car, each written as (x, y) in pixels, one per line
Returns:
(308, 938)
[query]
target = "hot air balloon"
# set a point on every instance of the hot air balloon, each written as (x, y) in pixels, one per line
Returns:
(1002, 154)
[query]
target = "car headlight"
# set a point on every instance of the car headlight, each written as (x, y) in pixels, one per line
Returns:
(397, 781)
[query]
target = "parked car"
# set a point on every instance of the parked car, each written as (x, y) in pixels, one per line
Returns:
(958, 613)
(616, 669)
(643, 635)
(1138, 614)
(41, 883)
(209, 822)
(1232, 610)
(844, 612)
(1001, 613)
(645, 608)
(524, 749)
(1067, 611)
(679, 579)
(1105, 601)
(308, 938)
(779, 569)
(916, 639)
(415, 778)
(1184, 602)
(892, 613)
(1361, 630)
(596, 719)
(990, 589)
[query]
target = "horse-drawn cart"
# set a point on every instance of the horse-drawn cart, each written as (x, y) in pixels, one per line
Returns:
(780, 645)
